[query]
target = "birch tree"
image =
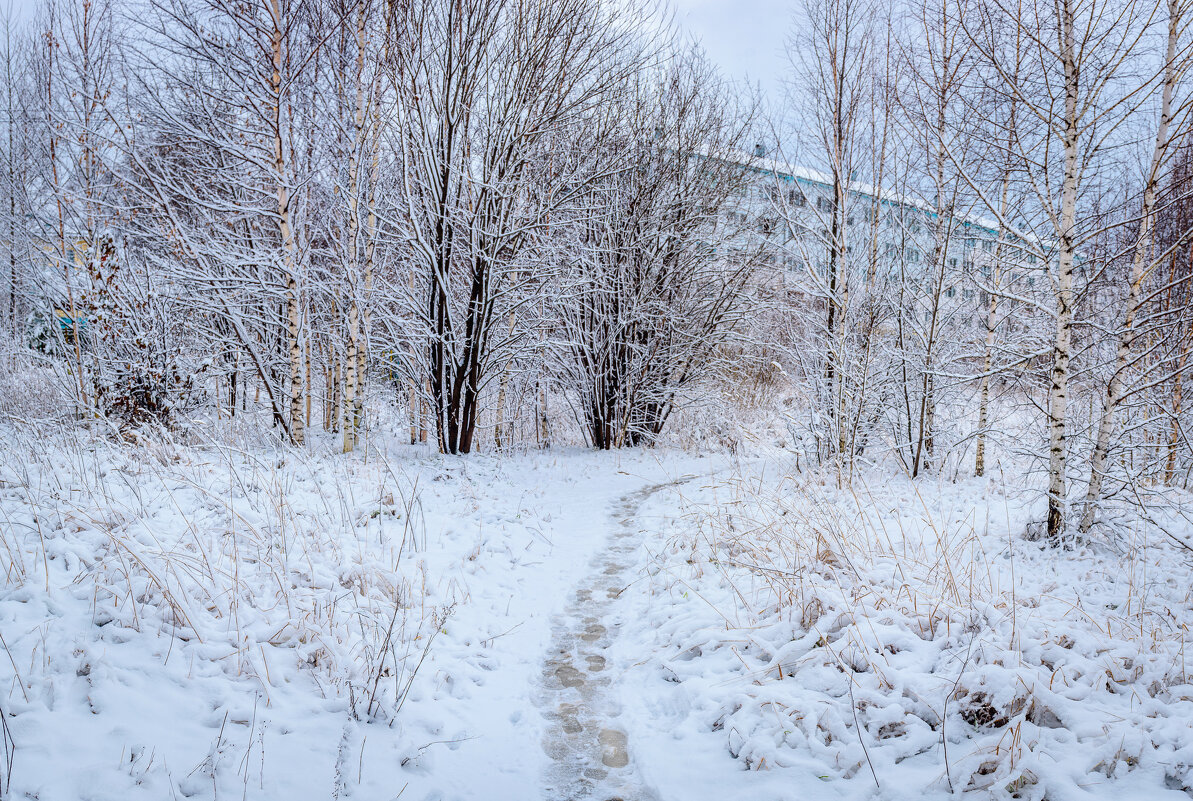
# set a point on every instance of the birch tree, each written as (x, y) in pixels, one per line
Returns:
(833, 62)
(933, 111)
(1066, 65)
(1171, 128)
(220, 82)
(355, 72)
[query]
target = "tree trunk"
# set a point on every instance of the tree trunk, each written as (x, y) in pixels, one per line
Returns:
(1058, 395)
(350, 387)
(1174, 436)
(1140, 268)
(12, 211)
(503, 388)
(286, 232)
(979, 464)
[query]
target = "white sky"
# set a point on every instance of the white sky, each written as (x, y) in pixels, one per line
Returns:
(743, 37)
(20, 9)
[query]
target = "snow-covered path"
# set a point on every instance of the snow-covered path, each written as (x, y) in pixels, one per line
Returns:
(585, 741)
(481, 559)
(508, 716)
(566, 626)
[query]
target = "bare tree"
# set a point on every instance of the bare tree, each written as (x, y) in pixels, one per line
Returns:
(658, 272)
(933, 110)
(481, 91)
(1066, 65)
(356, 75)
(220, 85)
(1170, 130)
(75, 70)
(834, 61)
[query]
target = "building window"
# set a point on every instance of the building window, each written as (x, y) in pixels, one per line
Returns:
(913, 256)
(824, 204)
(967, 294)
(950, 292)
(796, 198)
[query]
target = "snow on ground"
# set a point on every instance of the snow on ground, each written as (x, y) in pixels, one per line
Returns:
(904, 640)
(211, 622)
(231, 619)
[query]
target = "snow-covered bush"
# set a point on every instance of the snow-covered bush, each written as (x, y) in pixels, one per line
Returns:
(28, 386)
(916, 640)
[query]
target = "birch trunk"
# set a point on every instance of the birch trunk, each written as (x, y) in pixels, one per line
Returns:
(1140, 268)
(503, 388)
(979, 466)
(1058, 393)
(286, 231)
(353, 366)
(544, 426)
(503, 385)
(337, 401)
(350, 382)
(1174, 436)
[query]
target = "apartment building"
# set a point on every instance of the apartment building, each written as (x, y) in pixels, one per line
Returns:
(897, 245)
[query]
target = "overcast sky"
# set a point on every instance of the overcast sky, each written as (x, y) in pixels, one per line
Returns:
(743, 37)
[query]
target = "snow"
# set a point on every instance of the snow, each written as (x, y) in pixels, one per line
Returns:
(213, 619)
(840, 640)
(206, 620)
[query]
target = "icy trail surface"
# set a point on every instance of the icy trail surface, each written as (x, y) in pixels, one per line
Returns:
(585, 740)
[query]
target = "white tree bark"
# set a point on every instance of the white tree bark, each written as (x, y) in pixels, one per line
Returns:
(1058, 394)
(1141, 267)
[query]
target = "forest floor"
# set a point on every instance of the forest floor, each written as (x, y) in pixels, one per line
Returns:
(229, 619)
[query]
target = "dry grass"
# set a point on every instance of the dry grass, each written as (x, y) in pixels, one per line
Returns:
(924, 631)
(253, 557)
